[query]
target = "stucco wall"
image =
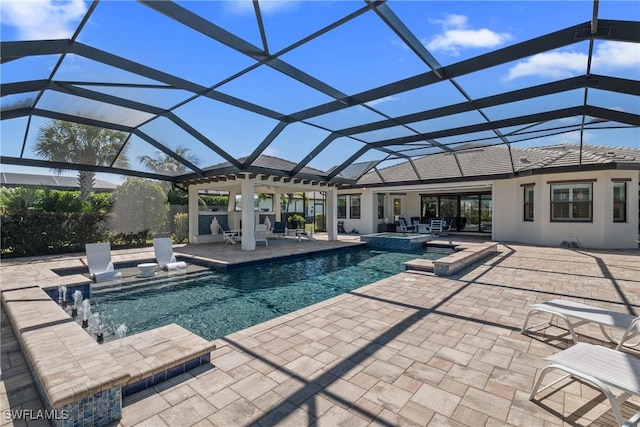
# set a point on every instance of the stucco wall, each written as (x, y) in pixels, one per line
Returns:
(602, 233)
(508, 210)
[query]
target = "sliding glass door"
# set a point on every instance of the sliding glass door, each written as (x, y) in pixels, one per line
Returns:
(469, 212)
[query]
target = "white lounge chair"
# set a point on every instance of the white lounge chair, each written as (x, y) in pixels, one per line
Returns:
(99, 262)
(163, 251)
(603, 367)
(261, 234)
(576, 314)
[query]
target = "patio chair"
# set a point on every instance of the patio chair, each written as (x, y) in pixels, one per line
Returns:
(446, 226)
(279, 228)
(228, 234)
(406, 228)
(436, 226)
(603, 367)
(163, 250)
(261, 234)
(575, 314)
(341, 227)
(99, 262)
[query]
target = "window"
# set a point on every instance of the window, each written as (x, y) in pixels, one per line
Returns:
(354, 207)
(380, 206)
(429, 207)
(528, 202)
(619, 202)
(342, 206)
(572, 202)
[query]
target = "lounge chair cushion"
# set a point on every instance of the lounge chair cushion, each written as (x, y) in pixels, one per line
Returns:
(172, 266)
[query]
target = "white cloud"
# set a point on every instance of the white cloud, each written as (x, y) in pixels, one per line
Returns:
(608, 55)
(615, 55)
(42, 19)
(550, 64)
(268, 7)
(382, 100)
(457, 35)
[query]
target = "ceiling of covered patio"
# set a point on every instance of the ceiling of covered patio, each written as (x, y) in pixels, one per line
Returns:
(320, 92)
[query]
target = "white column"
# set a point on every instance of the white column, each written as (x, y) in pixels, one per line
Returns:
(276, 206)
(332, 214)
(193, 213)
(232, 202)
(248, 216)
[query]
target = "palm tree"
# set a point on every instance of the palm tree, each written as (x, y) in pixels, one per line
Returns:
(62, 141)
(164, 164)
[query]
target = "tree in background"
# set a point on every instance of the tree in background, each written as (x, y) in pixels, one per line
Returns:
(164, 164)
(69, 142)
(139, 207)
(288, 198)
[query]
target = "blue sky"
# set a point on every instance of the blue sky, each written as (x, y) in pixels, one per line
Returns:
(358, 56)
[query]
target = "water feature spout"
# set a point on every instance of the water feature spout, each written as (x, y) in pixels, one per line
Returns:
(121, 332)
(77, 300)
(86, 313)
(95, 327)
(62, 296)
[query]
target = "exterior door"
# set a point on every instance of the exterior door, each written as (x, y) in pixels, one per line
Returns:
(397, 208)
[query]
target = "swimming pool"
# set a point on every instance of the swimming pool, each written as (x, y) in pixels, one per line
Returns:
(213, 304)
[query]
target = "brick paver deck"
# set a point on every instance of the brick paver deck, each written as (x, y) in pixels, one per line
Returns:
(413, 349)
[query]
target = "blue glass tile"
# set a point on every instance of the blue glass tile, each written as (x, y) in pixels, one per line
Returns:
(193, 363)
(174, 371)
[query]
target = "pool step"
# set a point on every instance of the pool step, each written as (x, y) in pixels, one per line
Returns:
(419, 265)
(440, 250)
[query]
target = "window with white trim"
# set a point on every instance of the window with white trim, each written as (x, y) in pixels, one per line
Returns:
(572, 202)
(528, 202)
(354, 207)
(342, 206)
(619, 202)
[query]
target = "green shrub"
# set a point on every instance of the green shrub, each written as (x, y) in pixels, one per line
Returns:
(175, 196)
(296, 217)
(139, 207)
(181, 222)
(16, 199)
(29, 232)
(101, 202)
(62, 201)
(216, 200)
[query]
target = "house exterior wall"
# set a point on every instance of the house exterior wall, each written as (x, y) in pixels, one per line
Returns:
(508, 209)
(601, 233)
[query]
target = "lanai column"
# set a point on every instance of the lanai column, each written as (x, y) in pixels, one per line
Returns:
(276, 206)
(332, 214)
(192, 201)
(231, 205)
(248, 216)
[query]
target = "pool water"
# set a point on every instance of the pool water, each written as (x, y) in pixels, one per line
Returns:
(213, 304)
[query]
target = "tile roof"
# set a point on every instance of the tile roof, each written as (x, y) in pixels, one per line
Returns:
(495, 160)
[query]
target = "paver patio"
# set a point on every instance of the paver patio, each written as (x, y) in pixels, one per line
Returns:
(413, 349)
